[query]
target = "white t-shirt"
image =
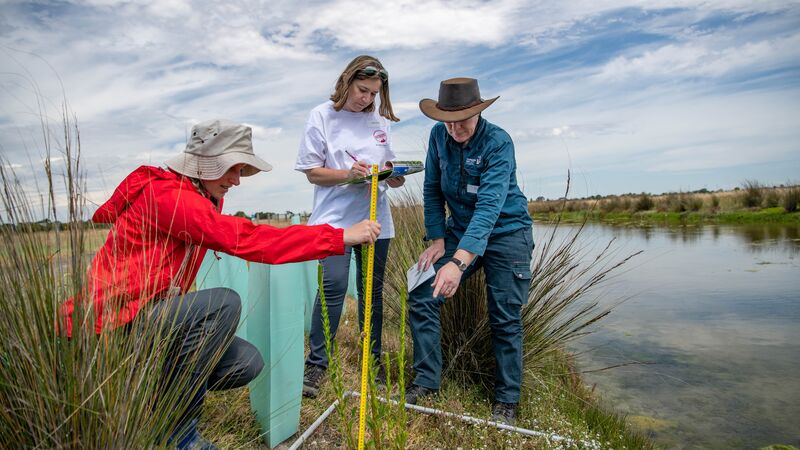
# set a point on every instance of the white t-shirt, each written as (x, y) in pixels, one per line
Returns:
(327, 135)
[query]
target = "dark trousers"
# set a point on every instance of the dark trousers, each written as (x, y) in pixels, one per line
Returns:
(201, 326)
(507, 266)
(336, 271)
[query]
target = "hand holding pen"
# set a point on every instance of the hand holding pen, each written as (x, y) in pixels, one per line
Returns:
(359, 169)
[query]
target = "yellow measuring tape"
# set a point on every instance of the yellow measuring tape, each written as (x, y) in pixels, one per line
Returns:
(362, 416)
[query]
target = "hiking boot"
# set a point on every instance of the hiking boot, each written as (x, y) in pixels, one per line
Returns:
(380, 378)
(188, 438)
(196, 442)
(414, 393)
(312, 377)
(505, 413)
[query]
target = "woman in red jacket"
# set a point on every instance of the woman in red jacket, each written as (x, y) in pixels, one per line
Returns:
(163, 223)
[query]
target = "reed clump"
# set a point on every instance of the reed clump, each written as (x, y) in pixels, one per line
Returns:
(791, 199)
(90, 390)
(751, 194)
(644, 203)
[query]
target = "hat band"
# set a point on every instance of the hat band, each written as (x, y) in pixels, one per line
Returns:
(458, 107)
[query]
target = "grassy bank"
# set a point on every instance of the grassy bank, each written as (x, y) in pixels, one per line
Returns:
(554, 400)
(766, 215)
(752, 203)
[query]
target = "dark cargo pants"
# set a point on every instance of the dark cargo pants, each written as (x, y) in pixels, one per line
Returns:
(335, 277)
(507, 267)
(201, 325)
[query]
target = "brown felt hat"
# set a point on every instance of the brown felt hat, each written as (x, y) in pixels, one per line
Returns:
(459, 99)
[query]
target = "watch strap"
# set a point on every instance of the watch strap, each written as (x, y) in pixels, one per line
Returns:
(462, 266)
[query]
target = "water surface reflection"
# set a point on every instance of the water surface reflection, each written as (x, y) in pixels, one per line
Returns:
(716, 309)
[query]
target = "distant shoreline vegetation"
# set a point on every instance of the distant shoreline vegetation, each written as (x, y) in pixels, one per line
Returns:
(753, 202)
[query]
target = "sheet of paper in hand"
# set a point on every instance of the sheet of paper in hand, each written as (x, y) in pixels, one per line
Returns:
(393, 169)
(416, 276)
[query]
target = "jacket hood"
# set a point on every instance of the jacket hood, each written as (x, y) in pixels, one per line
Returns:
(129, 190)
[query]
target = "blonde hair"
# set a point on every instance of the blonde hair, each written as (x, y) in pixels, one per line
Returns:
(353, 72)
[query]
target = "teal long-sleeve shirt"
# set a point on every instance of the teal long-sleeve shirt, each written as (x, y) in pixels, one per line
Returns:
(478, 184)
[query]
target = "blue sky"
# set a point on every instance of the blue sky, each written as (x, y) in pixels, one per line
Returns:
(629, 96)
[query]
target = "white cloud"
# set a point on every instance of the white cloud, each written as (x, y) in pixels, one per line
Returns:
(264, 133)
(170, 9)
(383, 25)
(248, 46)
(701, 58)
(562, 130)
(570, 95)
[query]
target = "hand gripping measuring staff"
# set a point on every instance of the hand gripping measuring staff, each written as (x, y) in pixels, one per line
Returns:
(362, 416)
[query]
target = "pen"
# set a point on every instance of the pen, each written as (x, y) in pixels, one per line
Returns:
(351, 155)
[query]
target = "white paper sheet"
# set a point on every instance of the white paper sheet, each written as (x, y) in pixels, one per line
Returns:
(417, 276)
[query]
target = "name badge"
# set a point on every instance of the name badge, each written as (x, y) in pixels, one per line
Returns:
(472, 189)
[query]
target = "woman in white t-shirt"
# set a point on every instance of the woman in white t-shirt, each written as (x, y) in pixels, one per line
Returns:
(343, 138)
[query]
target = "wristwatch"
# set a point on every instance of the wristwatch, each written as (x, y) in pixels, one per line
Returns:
(462, 266)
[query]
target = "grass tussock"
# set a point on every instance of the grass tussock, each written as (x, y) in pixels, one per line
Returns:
(90, 390)
(791, 199)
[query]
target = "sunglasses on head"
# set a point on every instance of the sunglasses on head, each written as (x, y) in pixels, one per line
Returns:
(371, 71)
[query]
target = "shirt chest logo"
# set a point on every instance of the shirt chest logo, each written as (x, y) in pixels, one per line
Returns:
(473, 161)
(380, 137)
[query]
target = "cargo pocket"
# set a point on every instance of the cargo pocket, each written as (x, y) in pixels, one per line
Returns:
(521, 283)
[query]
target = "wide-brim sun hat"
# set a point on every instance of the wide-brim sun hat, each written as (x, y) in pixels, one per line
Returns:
(214, 147)
(459, 99)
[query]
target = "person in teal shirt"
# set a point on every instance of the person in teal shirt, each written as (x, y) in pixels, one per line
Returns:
(471, 170)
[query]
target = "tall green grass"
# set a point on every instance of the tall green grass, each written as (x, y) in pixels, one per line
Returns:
(90, 391)
(385, 424)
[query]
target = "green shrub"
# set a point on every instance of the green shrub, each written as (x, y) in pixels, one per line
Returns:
(644, 203)
(682, 202)
(663, 204)
(791, 199)
(771, 198)
(692, 202)
(751, 194)
(612, 204)
(714, 202)
(676, 202)
(572, 206)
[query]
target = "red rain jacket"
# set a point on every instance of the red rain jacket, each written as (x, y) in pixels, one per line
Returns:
(158, 216)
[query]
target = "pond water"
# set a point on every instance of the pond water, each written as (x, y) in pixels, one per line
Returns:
(713, 312)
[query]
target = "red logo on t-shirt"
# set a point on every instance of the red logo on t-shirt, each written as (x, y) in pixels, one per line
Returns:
(379, 136)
